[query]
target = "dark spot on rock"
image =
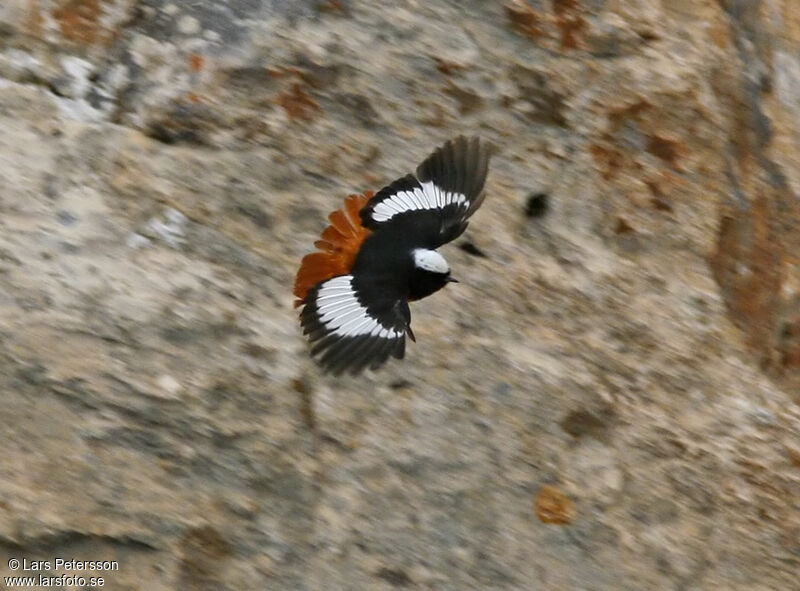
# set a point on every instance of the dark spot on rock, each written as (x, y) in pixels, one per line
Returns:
(794, 458)
(662, 443)
(300, 386)
(202, 551)
(59, 86)
(51, 186)
(395, 577)
(620, 117)
(583, 423)
(186, 122)
(359, 106)
(177, 335)
(789, 344)
(663, 148)
(447, 67)
(96, 98)
(537, 205)
(251, 80)
(648, 35)
(622, 227)
(257, 215)
(524, 18)
(547, 105)
(471, 249)
(661, 204)
(659, 201)
(335, 442)
(502, 389)
(317, 75)
(257, 351)
(69, 247)
(468, 101)
(400, 384)
(65, 218)
(654, 510)
(160, 133)
(140, 440)
(433, 114)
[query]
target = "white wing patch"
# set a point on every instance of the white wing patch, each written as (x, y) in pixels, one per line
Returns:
(341, 313)
(427, 196)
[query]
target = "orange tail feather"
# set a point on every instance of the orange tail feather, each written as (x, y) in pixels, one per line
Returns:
(338, 247)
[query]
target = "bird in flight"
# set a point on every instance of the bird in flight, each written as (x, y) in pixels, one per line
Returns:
(379, 253)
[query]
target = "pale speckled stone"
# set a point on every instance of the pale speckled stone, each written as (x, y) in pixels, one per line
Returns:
(188, 25)
(165, 167)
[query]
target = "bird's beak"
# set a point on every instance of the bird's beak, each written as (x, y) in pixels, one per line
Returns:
(451, 280)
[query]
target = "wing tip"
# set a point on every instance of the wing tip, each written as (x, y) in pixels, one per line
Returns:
(356, 357)
(339, 353)
(461, 164)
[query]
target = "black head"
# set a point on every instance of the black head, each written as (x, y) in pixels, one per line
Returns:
(429, 273)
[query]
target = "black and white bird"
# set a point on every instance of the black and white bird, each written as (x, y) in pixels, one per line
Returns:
(380, 252)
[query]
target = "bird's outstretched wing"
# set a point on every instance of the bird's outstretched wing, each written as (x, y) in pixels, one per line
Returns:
(353, 325)
(437, 202)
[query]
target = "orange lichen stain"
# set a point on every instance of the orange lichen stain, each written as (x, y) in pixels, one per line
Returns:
(749, 266)
(569, 22)
(524, 18)
(196, 62)
(720, 34)
(608, 159)
(33, 24)
(371, 179)
(553, 506)
(339, 245)
(79, 20)
(332, 6)
(298, 104)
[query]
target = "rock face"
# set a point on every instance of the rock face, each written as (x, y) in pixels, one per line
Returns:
(609, 399)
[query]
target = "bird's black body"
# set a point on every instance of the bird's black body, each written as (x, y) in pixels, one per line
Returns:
(386, 257)
(360, 319)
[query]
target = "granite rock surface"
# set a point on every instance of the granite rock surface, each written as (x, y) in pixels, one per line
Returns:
(607, 401)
